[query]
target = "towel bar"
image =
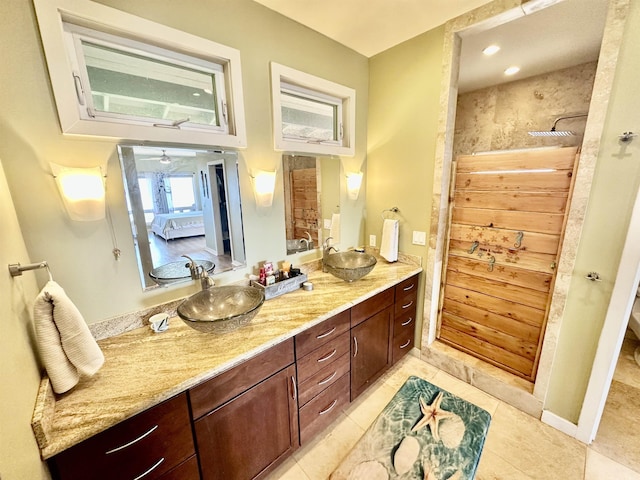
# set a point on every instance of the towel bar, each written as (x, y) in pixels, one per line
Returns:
(392, 209)
(15, 269)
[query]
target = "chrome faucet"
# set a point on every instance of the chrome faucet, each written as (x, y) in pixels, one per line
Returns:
(326, 250)
(308, 241)
(199, 273)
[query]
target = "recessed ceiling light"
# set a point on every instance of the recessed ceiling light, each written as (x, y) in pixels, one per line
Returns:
(196, 94)
(512, 70)
(491, 49)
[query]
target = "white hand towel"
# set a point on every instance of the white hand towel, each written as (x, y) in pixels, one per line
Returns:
(389, 242)
(67, 348)
(334, 231)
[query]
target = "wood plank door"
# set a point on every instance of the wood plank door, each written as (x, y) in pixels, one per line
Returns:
(507, 222)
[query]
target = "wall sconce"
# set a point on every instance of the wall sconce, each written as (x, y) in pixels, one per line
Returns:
(82, 191)
(264, 184)
(354, 181)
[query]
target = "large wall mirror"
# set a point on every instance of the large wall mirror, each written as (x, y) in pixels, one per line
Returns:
(312, 201)
(182, 202)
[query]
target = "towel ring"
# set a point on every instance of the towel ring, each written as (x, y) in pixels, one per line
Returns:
(392, 210)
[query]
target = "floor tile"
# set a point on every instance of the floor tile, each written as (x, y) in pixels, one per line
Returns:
(627, 370)
(618, 436)
(289, 470)
(494, 467)
(364, 410)
(321, 456)
(533, 447)
(600, 467)
(408, 366)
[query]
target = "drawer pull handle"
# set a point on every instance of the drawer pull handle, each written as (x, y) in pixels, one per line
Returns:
(150, 470)
(327, 357)
(328, 379)
(408, 304)
(407, 322)
(329, 408)
(406, 344)
(326, 334)
(406, 289)
(117, 449)
(355, 347)
(295, 389)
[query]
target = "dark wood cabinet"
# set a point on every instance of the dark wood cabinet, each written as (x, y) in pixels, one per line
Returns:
(246, 419)
(322, 360)
(251, 434)
(370, 350)
(404, 322)
(147, 446)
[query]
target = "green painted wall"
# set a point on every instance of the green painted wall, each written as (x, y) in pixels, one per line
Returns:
(614, 189)
(80, 253)
(404, 99)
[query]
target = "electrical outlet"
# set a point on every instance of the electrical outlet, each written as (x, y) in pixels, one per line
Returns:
(327, 223)
(372, 240)
(419, 238)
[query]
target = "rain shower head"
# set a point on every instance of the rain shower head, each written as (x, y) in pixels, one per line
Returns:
(558, 133)
(553, 133)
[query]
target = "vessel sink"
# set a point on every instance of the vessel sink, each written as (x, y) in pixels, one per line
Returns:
(349, 266)
(221, 309)
(176, 271)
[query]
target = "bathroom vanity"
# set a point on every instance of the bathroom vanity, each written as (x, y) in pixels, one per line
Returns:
(186, 405)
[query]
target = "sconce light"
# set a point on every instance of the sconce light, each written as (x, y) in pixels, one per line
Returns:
(82, 191)
(354, 181)
(264, 184)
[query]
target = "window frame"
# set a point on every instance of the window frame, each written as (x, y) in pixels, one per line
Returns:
(52, 15)
(320, 90)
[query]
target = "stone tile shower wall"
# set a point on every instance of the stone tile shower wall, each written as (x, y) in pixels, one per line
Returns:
(499, 117)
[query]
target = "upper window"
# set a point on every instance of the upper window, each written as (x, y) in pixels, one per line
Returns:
(126, 77)
(310, 114)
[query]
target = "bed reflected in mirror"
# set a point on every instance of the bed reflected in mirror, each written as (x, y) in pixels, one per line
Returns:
(182, 202)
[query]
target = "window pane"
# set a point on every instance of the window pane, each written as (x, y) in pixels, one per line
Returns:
(182, 193)
(307, 118)
(127, 83)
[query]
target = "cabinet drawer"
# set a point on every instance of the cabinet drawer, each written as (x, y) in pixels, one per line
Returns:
(154, 441)
(370, 307)
(323, 409)
(405, 322)
(315, 361)
(320, 334)
(402, 344)
(406, 294)
(213, 393)
(187, 470)
(323, 379)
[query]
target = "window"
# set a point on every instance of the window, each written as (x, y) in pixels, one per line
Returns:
(121, 76)
(310, 114)
(166, 193)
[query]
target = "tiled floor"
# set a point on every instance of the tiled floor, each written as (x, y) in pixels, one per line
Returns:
(518, 447)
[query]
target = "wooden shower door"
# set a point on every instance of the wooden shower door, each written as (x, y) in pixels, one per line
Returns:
(508, 217)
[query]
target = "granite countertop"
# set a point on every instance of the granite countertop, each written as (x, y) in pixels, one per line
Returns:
(143, 368)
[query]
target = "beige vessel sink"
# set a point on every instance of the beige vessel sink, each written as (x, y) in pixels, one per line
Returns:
(221, 309)
(349, 266)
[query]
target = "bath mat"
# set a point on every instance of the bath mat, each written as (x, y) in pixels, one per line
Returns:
(423, 433)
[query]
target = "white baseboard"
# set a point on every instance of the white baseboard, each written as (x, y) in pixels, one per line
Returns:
(559, 423)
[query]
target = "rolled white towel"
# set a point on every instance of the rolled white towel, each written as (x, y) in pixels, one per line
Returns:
(389, 241)
(67, 348)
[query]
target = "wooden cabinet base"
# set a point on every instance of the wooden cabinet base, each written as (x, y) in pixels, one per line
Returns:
(250, 435)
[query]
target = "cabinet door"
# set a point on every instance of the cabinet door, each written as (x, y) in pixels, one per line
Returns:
(250, 435)
(370, 352)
